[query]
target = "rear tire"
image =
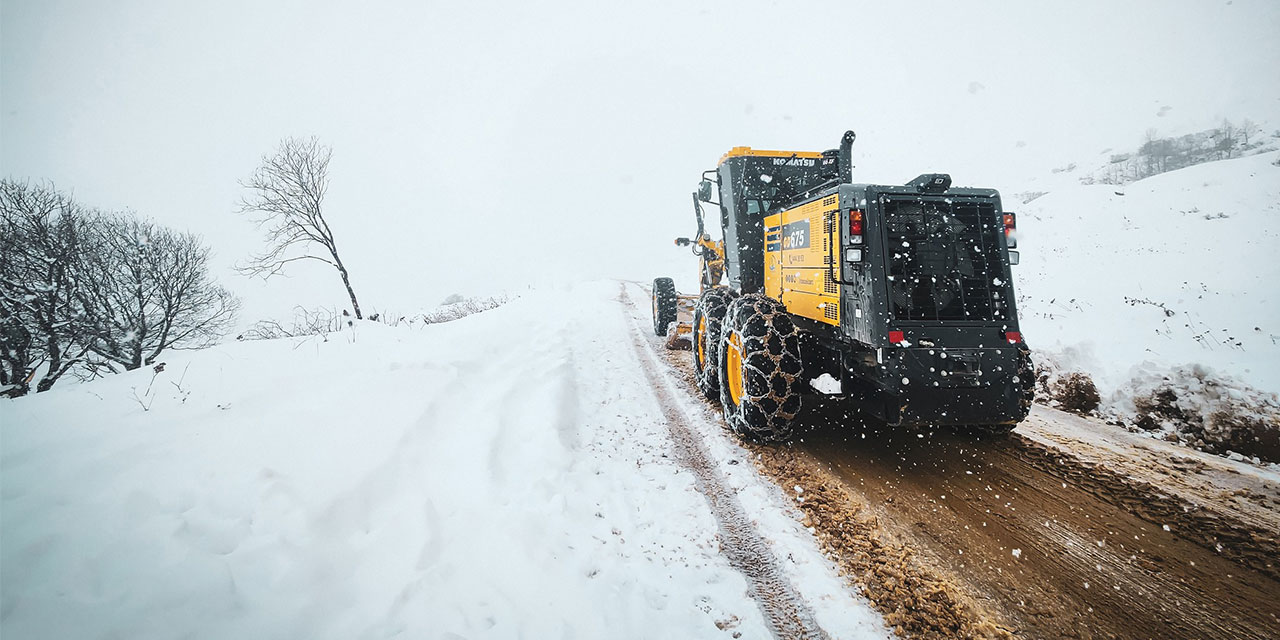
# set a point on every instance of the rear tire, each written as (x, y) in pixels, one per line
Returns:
(763, 382)
(994, 431)
(664, 305)
(1026, 384)
(708, 316)
(1026, 378)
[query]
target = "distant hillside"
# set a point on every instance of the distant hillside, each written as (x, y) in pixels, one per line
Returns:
(1160, 154)
(1177, 268)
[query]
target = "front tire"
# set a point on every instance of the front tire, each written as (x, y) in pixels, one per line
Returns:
(708, 316)
(664, 305)
(763, 370)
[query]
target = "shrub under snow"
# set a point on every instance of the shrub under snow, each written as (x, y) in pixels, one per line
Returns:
(462, 308)
(1060, 385)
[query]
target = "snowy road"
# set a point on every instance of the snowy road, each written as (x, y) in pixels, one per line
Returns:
(544, 470)
(786, 612)
(511, 474)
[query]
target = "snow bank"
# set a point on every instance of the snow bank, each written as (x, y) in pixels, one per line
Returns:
(504, 475)
(1176, 269)
(1208, 410)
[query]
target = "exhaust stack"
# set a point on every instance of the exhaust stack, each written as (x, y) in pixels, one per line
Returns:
(845, 157)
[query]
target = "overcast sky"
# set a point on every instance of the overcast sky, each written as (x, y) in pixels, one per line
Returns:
(483, 146)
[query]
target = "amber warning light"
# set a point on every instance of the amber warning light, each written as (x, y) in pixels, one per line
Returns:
(855, 226)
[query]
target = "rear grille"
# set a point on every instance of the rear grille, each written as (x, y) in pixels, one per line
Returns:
(828, 232)
(944, 260)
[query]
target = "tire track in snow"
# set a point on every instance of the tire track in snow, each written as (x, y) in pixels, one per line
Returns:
(787, 613)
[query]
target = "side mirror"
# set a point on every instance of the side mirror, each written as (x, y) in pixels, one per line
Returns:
(683, 242)
(704, 191)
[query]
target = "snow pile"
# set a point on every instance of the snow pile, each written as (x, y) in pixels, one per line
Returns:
(1176, 269)
(1207, 410)
(505, 475)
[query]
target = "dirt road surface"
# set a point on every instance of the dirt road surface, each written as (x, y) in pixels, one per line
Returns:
(1067, 529)
(1038, 540)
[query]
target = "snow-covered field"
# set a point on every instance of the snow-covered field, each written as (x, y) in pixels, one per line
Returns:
(510, 474)
(503, 475)
(1180, 268)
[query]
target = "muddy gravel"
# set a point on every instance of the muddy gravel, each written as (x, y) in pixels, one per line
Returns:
(916, 600)
(1046, 548)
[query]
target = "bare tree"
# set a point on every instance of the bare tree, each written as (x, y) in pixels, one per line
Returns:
(1249, 129)
(286, 198)
(1226, 138)
(1152, 150)
(41, 232)
(146, 289)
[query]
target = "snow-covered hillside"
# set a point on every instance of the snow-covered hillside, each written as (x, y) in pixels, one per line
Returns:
(505, 475)
(1182, 267)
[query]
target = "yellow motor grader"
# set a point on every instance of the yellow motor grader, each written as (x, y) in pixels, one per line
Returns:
(897, 297)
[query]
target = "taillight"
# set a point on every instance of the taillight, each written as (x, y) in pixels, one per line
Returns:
(1013, 337)
(1010, 225)
(897, 337)
(855, 224)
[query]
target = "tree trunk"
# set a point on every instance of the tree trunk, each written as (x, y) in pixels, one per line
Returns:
(346, 281)
(55, 363)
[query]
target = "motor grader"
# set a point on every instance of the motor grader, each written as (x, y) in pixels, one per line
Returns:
(897, 298)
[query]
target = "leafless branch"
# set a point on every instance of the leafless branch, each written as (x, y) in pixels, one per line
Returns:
(41, 231)
(285, 200)
(148, 290)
